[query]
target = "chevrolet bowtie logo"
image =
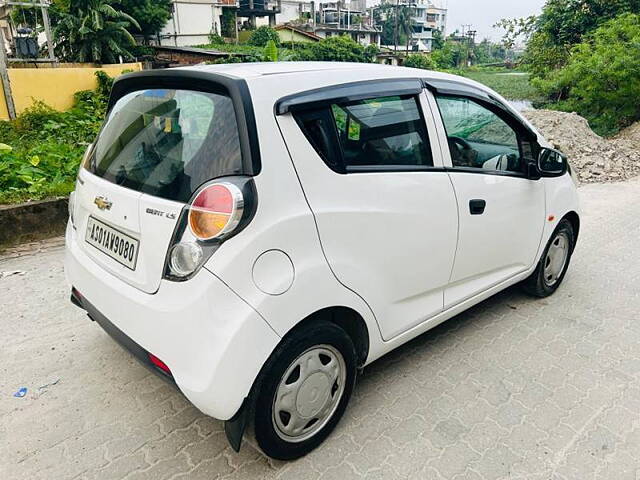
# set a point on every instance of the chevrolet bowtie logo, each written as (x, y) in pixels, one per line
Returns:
(103, 203)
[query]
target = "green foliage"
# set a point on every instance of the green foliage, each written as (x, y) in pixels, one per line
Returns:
(337, 49)
(397, 23)
(94, 31)
(507, 83)
(437, 41)
(419, 61)
(215, 39)
(601, 80)
(563, 24)
(261, 36)
(271, 52)
(41, 149)
(451, 55)
(516, 29)
(151, 15)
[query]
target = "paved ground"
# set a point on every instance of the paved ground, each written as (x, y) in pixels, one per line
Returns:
(515, 388)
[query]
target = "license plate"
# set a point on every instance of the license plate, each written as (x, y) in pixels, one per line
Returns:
(121, 247)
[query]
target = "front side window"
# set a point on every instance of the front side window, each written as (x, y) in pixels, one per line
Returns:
(385, 133)
(478, 137)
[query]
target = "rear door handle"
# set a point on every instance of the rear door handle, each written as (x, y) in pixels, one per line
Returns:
(477, 206)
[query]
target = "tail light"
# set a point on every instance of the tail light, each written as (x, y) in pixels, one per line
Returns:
(217, 211)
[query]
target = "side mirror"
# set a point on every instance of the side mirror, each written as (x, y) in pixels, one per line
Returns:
(552, 163)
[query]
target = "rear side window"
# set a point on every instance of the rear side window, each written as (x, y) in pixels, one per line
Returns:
(385, 133)
(167, 143)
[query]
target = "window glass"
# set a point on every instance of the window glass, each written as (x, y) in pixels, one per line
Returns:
(168, 142)
(478, 138)
(382, 131)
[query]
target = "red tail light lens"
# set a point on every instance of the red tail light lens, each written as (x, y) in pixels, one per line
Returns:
(159, 363)
(216, 210)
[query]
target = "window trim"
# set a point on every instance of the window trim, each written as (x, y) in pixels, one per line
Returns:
(522, 131)
(348, 92)
(351, 169)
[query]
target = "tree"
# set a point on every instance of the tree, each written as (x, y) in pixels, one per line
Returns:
(516, 29)
(601, 80)
(405, 24)
(94, 31)
(261, 36)
(151, 15)
(437, 41)
(563, 24)
(417, 60)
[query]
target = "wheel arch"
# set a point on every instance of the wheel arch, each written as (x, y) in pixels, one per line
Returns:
(574, 219)
(346, 318)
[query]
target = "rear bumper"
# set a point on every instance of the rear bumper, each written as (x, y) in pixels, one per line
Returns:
(213, 342)
(118, 335)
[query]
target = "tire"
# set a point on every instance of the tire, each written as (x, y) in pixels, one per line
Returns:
(289, 396)
(551, 269)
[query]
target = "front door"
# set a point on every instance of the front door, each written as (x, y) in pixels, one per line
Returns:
(501, 210)
(385, 208)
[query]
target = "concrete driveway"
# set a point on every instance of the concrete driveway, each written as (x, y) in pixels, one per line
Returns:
(514, 388)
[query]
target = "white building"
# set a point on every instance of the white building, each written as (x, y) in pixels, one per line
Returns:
(193, 21)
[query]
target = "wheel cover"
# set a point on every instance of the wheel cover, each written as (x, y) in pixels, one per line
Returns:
(309, 393)
(556, 259)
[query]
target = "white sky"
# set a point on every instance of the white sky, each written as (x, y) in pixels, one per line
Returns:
(482, 14)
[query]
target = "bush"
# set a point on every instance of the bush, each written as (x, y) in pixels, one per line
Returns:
(215, 39)
(601, 80)
(42, 148)
(419, 61)
(261, 36)
(338, 49)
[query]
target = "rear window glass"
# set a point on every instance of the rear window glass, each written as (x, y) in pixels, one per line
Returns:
(167, 143)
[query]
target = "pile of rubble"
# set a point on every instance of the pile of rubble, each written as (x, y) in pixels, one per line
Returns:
(594, 158)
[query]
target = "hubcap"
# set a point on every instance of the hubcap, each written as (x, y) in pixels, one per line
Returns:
(308, 393)
(556, 259)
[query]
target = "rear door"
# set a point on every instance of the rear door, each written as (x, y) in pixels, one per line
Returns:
(156, 148)
(501, 210)
(385, 209)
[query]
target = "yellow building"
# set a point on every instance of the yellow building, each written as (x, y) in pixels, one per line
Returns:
(289, 33)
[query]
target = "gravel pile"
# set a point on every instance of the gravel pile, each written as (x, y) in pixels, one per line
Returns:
(594, 158)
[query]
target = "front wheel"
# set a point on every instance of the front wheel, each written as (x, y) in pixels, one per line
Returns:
(553, 265)
(304, 390)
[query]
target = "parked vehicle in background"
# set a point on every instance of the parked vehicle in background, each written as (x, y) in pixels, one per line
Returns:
(256, 233)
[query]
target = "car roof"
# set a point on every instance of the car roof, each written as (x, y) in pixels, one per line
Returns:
(344, 70)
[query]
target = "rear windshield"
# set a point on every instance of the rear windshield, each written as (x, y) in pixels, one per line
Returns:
(168, 142)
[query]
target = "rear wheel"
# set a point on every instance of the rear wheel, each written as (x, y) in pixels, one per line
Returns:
(554, 262)
(304, 390)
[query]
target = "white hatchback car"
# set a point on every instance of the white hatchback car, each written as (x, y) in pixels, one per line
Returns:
(255, 233)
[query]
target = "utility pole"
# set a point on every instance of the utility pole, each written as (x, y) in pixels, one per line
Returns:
(4, 79)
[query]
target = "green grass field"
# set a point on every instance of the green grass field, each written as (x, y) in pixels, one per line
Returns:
(512, 87)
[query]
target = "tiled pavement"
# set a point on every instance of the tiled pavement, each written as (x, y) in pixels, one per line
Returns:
(514, 388)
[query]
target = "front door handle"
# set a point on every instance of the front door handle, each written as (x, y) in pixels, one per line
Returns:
(476, 206)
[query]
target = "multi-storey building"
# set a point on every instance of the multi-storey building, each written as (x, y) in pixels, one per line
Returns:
(428, 16)
(193, 20)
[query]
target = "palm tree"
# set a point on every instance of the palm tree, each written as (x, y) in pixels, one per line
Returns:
(94, 31)
(405, 23)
